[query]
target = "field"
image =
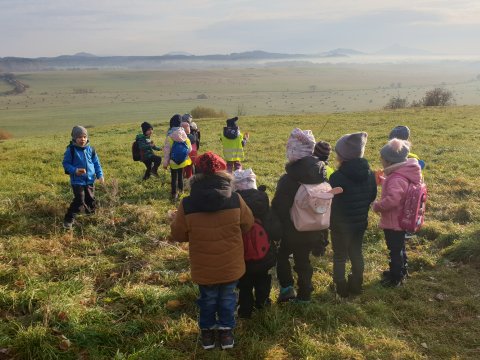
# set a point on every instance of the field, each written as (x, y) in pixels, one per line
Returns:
(57, 100)
(105, 290)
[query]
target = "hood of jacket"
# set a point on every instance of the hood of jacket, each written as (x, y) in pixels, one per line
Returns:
(211, 192)
(231, 132)
(178, 134)
(409, 169)
(141, 136)
(257, 201)
(357, 169)
(307, 170)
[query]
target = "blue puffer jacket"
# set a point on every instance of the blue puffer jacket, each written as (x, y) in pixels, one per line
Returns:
(82, 158)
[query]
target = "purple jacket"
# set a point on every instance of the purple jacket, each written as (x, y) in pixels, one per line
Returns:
(394, 190)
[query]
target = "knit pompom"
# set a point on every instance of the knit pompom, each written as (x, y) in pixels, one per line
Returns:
(397, 144)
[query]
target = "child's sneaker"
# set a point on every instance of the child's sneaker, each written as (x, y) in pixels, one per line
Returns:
(409, 235)
(226, 338)
(389, 282)
(208, 339)
(68, 225)
(286, 294)
(300, 301)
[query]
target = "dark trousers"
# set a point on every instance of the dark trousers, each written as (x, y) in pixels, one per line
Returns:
(177, 180)
(261, 283)
(152, 164)
(233, 165)
(398, 259)
(84, 198)
(300, 248)
(346, 245)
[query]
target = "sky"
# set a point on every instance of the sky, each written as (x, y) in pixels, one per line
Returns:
(35, 28)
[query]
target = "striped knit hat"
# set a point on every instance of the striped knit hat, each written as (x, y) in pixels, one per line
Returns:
(322, 150)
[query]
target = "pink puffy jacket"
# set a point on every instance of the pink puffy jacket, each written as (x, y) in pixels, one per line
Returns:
(394, 189)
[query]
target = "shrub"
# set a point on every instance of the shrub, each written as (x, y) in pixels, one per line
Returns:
(202, 97)
(396, 103)
(438, 97)
(5, 135)
(201, 112)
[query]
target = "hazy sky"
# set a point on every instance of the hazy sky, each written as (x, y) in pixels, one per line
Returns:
(34, 28)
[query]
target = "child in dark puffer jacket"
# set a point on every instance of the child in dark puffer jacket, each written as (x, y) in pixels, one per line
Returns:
(257, 278)
(302, 168)
(349, 216)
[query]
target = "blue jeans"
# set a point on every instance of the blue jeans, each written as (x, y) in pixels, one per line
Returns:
(217, 306)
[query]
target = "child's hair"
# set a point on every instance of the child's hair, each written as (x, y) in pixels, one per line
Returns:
(175, 121)
(395, 151)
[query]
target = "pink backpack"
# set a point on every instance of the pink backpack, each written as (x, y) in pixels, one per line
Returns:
(311, 207)
(413, 215)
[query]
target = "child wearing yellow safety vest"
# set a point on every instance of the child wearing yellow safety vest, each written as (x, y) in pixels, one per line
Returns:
(233, 142)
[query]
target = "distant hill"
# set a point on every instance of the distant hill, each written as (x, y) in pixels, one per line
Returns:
(178, 53)
(88, 61)
(342, 52)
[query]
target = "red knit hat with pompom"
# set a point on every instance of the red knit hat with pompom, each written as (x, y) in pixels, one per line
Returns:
(210, 163)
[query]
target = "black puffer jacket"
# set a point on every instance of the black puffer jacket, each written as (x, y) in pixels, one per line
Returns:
(308, 170)
(258, 202)
(350, 209)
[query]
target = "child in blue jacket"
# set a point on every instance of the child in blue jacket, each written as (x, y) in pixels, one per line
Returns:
(82, 164)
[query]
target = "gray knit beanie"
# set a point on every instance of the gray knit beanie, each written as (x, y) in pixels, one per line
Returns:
(351, 146)
(395, 151)
(400, 132)
(78, 131)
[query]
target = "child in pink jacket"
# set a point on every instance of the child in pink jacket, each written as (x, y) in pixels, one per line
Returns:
(399, 172)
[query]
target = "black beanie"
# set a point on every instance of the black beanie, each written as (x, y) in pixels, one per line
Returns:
(146, 126)
(175, 121)
(232, 123)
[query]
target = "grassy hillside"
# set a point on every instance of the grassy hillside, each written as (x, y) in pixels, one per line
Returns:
(105, 290)
(57, 100)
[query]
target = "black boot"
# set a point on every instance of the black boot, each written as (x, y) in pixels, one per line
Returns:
(354, 285)
(341, 288)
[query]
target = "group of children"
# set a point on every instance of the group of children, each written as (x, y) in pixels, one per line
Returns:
(235, 237)
(215, 220)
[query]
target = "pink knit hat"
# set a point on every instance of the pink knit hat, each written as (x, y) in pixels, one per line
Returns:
(300, 144)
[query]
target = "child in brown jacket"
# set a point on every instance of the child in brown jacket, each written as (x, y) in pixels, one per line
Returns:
(212, 219)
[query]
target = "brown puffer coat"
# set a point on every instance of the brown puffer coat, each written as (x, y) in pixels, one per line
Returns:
(212, 219)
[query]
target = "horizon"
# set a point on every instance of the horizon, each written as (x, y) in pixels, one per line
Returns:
(204, 27)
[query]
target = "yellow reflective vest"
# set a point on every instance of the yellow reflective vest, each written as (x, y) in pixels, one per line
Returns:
(233, 149)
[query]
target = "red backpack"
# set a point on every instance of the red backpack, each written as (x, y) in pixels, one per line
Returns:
(413, 215)
(255, 242)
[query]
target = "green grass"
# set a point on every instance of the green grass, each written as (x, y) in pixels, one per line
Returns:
(63, 98)
(101, 292)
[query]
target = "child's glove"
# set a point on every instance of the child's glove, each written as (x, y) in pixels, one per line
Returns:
(379, 177)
